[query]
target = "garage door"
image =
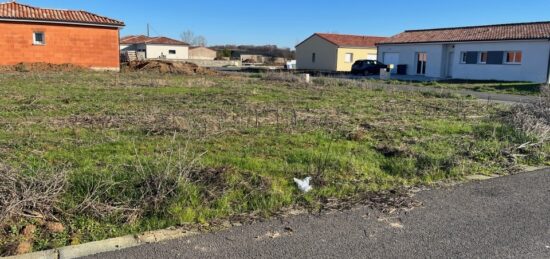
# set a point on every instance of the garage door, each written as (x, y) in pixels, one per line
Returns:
(391, 58)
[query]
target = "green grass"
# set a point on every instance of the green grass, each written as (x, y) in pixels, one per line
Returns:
(518, 88)
(118, 133)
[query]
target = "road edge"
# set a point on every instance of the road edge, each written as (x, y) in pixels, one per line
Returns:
(151, 237)
(108, 245)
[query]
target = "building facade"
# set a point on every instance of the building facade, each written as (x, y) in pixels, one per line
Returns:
(335, 52)
(202, 53)
(155, 47)
(38, 35)
(505, 52)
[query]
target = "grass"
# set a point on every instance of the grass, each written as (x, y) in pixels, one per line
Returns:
(145, 151)
(490, 86)
(518, 88)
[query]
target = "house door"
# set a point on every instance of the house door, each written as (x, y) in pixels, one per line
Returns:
(392, 58)
(422, 60)
(450, 62)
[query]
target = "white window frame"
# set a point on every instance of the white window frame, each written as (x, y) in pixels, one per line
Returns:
(350, 59)
(480, 61)
(463, 57)
(514, 62)
(38, 43)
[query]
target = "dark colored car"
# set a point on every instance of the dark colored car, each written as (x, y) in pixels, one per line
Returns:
(367, 67)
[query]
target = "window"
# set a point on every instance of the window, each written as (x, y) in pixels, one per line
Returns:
(463, 57)
(348, 58)
(313, 57)
(38, 38)
(513, 57)
(483, 57)
(422, 61)
(172, 52)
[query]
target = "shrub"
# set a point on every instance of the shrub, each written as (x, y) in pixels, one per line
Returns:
(533, 118)
(34, 194)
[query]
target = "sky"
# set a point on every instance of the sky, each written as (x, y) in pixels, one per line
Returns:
(287, 22)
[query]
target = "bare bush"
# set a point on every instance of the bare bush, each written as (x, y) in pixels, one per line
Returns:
(150, 187)
(282, 77)
(159, 181)
(533, 119)
(33, 195)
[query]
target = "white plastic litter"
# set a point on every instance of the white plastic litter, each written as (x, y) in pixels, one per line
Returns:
(304, 185)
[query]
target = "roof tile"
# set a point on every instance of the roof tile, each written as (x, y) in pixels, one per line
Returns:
(514, 31)
(343, 40)
(142, 39)
(17, 11)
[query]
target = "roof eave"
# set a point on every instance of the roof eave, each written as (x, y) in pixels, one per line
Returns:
(167, 44)
(457, 41)
(356, 47)
(63, 22)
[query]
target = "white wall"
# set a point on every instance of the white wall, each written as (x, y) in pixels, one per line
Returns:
(155, 51)
(326, 54)
(407, 56)
(125, 46)
(534, 66)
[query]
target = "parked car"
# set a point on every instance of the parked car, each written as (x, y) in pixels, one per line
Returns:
(367, 67)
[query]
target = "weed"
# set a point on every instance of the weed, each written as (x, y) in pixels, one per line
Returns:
(33, 194)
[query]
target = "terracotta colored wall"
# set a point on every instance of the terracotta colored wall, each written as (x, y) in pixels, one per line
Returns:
(94, 47)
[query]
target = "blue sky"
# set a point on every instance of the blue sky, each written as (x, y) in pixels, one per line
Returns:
(287, 22)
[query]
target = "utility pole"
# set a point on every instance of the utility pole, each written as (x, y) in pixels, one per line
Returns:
(148, 34)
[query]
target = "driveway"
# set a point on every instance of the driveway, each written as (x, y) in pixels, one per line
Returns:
(507, 217)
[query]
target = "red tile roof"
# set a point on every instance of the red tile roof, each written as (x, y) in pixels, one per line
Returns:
(514, 31)
(17, 11)
(343, 40)
(142, 39)
(133, 39)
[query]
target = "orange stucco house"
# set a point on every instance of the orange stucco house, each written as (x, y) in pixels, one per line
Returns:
(33, 35)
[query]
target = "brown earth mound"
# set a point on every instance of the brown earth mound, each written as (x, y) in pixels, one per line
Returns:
(40, 67)
(171, 67)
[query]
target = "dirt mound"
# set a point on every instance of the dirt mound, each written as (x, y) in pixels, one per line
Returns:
(170, 67)
(40, 67)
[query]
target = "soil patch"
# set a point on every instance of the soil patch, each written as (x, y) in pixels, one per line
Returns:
(41, 67)
(168, 67)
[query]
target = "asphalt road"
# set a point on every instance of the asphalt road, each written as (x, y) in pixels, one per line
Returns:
(507, 217)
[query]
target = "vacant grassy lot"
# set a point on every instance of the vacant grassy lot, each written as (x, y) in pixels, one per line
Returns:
(518, 88)
(107, 154)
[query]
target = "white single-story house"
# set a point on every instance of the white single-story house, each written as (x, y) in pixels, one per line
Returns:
(335, 52)
(155, 47)
(507, 52)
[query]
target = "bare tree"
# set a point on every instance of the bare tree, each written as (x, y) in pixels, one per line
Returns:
(200, 41)
(189, 37)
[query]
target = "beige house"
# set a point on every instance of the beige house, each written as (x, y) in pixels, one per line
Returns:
(202, 53)
(335, 52)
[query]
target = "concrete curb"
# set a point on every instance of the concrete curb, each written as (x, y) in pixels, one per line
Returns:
(120, 243)
(108, 245)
